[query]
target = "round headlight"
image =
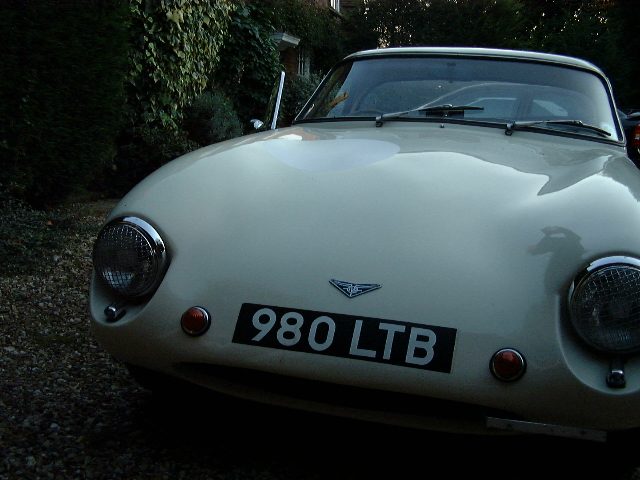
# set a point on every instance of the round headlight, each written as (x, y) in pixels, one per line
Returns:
(604, 305)
(129, 257)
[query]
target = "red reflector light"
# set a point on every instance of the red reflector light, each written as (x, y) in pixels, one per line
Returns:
(195, 321)
(507, 365)
(635, 138)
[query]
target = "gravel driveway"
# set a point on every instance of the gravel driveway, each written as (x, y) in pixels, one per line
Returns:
(69, 411)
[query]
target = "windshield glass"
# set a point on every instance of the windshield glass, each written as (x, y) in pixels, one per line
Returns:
(506, 91)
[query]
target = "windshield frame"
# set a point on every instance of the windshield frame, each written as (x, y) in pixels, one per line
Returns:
(604, 81)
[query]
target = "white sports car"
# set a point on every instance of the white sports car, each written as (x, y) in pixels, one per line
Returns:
(445, 238)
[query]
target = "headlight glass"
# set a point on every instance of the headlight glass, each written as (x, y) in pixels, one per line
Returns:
(605, 305)
(129, 257)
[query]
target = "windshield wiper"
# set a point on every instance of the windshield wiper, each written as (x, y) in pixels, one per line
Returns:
(444, 110)
(511, 126)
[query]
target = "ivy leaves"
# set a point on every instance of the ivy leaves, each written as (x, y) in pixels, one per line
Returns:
(176, 48)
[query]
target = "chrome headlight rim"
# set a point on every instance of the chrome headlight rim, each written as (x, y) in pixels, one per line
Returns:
(581, 280)
(157, 248)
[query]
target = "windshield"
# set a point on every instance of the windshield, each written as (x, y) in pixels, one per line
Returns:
(504, 91)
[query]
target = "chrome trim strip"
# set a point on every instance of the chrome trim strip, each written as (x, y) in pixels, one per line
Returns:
(546, 429)
(158, 246)
(276, 111)
(145, 228)
(600, 263)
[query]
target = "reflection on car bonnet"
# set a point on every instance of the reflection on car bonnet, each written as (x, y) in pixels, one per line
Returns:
(329, 155)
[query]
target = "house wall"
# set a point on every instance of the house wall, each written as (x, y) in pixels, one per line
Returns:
(289, 59)
(345, 5)
(289, 56)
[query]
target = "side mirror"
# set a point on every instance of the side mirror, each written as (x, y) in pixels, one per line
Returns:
(257, 124)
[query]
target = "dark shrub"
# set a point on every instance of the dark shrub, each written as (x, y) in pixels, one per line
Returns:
(251, 61)
(141, 150)
(211, 119)
(295, 94)
(62, 67)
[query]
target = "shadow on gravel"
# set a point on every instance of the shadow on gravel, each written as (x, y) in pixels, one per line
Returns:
(227, 435)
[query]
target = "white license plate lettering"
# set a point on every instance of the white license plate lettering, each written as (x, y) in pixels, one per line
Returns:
(391, 330)
(385, 341)
(421, 339)
(355, 340)
(263, 321)
(318, 324)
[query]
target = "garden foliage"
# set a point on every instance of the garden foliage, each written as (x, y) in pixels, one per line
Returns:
(211, 118)
(176, 46)
(98, 94)
(296, 92)
(320, 30)
(62, 76)
(251, 61)
(601, 31)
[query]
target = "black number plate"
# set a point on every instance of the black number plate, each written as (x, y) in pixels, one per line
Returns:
(406, 344)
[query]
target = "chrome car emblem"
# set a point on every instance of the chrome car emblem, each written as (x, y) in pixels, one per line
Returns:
(353, 289)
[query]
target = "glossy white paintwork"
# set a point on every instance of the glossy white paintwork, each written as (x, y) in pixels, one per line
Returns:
(463, 226)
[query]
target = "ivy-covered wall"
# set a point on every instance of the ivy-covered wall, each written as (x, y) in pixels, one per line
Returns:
(251, 61)
(94, 94)
(319, 29)
(175, 48)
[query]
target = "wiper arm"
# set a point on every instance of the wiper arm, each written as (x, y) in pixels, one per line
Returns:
(511, 126)
(445, 109)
